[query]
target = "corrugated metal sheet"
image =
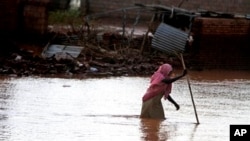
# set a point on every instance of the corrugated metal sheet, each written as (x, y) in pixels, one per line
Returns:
(63, 50)
(169, 39)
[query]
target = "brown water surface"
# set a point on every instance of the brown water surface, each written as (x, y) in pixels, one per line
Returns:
(52, 109)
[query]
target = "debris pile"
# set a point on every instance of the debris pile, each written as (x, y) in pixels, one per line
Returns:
(106, 57)
(112, 52)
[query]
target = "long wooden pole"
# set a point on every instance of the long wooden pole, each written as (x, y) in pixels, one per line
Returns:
(190, 90)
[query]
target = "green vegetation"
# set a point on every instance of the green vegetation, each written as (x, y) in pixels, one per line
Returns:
(68, 17)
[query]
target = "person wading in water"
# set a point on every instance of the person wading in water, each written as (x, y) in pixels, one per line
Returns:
(160, 86)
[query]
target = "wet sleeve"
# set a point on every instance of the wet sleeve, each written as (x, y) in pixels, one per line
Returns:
(168, 81)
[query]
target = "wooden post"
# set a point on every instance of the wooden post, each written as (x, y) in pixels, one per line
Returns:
(190, 90)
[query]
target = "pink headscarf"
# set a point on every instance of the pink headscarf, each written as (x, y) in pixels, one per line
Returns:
(156, 85)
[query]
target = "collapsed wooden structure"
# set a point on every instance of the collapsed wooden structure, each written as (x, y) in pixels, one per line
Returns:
(219, 40)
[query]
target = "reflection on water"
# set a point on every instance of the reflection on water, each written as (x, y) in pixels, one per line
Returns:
(35, 108)
(153, 130)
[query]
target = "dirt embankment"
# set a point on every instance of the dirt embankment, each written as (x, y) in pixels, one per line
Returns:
(104, 53)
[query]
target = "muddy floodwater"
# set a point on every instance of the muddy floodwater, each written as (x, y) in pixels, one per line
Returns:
(100, 109)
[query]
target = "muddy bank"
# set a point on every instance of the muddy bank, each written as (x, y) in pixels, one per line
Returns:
(106, 58)
(106, 51)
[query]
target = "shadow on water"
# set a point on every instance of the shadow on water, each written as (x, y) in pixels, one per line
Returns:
(36, 108)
